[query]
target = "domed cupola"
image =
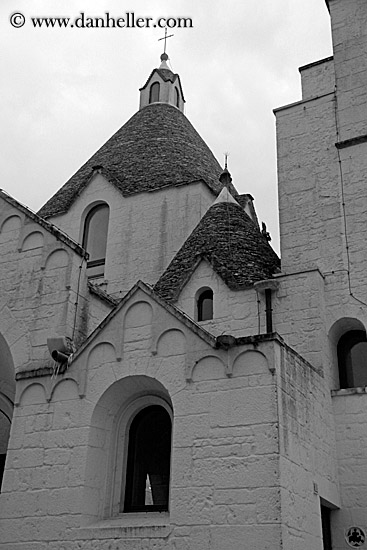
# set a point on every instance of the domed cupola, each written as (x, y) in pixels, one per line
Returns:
(162, 86)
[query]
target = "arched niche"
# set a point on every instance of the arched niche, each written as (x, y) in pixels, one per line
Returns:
(57, 259)
(65, 390)
(32, 241)
(101, 353)
(33, 394)
(250, 362)
(138, 325)
(348, 349)
(208, 368)
(10, 228)
(171, 342)
(106, 457)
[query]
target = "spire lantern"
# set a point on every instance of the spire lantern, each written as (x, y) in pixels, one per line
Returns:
(163, 86)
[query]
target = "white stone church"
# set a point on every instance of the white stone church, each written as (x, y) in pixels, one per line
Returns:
(166, 382)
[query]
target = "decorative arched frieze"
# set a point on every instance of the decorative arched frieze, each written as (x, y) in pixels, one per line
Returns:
(65, 389)
(137, 327)
(250, 362)
(10, 228)
(171, 342)
(33, 240)
(14, 338)
(57, 259)
(57, 270)
(100, 354)
(33, 393)
(210, 367)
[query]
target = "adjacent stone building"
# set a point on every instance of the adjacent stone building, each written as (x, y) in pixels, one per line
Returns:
(165, 382)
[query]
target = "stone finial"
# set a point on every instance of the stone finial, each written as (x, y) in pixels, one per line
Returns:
(164, 59)
(225, 178)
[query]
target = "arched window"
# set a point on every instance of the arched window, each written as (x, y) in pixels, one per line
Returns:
(148, 461)
(204, 304)
(352, 359)
(154, 92)
(177, 97)
(7, 394)
(95, 239)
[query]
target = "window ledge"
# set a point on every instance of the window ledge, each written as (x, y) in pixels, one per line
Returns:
(349, 391)
(139, 525)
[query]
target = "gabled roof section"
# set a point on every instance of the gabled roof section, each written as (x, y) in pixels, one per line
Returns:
(156, 148)
(48, 370)
(230, 241)
(180, 315)
(55, 231)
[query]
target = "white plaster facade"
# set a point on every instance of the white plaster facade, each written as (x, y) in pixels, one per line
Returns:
(262, 434)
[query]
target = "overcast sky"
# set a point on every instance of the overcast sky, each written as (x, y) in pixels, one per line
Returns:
(66, 91)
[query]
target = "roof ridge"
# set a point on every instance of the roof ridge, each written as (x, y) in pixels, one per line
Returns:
(56, 231)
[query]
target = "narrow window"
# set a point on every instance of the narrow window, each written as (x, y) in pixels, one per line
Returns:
(7, 394)
(352, 359)
(2, 467)
(177, 98)
(326, 528)
(4, 438)
(148, 461)
(154, 92)
(95, 239)
(6, 410)
(205, 305)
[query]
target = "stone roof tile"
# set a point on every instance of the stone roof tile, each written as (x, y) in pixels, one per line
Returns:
(157, 147)
(228, 239)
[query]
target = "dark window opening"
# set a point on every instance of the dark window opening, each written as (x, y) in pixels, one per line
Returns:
(5, 423)
(326, 528)
(205, 305)
(154, 92)
(95, 239)
(177, 98)
(2, 467)
(148, 461)
(352, 359)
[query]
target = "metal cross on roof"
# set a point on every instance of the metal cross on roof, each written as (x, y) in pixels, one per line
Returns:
(165, 38)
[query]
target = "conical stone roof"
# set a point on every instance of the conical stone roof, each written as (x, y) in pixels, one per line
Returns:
(230, 241)
(157, 147)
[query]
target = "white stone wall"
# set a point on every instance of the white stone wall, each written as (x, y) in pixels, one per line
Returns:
(311, 224)
(349, 24)
(226, 478)
(145, 230)
(323, 206)
(317, 78)
(351, 435)
(234, 312)
(308, 466)
(39, 286)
